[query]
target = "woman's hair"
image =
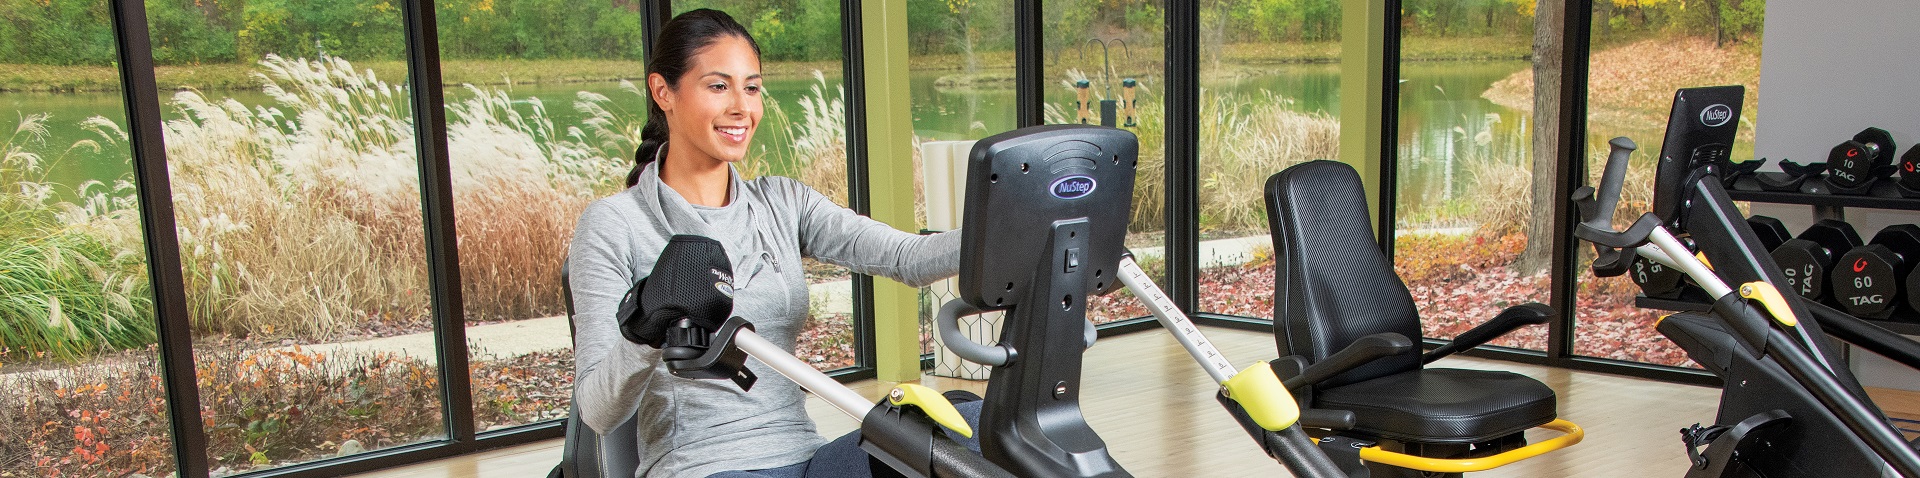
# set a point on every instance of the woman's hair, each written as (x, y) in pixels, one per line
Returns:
(681, 38)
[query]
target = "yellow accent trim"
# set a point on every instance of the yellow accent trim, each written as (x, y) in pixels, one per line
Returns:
(1263, 396)
(890, 182)
(933, 404)
(1363, 64)
(1702, 256)
(1770, 298)
(1572, 434)
(1657, 320)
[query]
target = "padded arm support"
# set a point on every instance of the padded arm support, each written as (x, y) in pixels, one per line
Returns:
(1532, 313)
(1361, 352)
(1322, 418)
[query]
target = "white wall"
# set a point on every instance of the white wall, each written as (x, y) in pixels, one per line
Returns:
(1829, 68)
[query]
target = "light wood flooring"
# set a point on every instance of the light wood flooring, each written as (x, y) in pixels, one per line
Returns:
(1154, 408)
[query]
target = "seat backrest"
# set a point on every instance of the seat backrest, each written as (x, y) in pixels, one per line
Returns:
(1332, 283)
(585, 454)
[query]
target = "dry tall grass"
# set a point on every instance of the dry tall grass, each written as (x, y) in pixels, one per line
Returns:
(818, 138)
(1501, 201)
(303, 219)
(1243, 141)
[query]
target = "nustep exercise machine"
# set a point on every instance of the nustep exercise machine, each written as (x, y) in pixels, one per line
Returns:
(1789, 406)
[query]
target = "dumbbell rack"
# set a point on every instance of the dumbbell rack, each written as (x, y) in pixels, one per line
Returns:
(1826, 205)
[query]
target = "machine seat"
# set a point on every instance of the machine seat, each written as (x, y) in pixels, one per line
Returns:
(1445, 406)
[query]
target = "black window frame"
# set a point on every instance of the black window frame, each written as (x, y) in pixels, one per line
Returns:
(142, 102)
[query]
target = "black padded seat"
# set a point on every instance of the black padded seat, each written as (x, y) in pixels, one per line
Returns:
(1442, 405)
(1334, 286)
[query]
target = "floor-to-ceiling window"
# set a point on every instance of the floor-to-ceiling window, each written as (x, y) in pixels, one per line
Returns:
(1269, 99)
(543, 116)
(960, 64)
(1103, 56)
(296, 190)
(1641, 53)
(295, 182)
(804, 136)
(1470, 237)
(80, 388)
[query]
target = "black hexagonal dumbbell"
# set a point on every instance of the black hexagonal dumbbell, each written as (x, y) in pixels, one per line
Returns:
(1806, 258)
(1656, 279)
(1853, 165)
(1771, 231)
(1910, 172)
(1866, 281)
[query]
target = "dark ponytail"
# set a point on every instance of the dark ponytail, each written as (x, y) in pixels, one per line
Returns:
(681, 38)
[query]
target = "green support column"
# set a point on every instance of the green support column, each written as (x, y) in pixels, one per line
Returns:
(1363, 31)
(896, 307)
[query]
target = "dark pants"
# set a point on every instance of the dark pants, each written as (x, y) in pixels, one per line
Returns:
(843, 457)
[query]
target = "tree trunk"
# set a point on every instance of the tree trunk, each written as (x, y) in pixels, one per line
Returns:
(1719, 29)
(1604, 18)
(1548, 20)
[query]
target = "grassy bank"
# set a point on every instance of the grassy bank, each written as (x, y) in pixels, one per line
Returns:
(1237, 59)
(1632, 84)
(239, 76)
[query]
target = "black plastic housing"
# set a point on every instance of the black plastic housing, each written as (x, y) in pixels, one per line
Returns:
(1025, 181)
(1699, 134)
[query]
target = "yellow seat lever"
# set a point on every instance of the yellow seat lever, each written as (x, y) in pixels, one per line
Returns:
(1263, 396)
(933, 404)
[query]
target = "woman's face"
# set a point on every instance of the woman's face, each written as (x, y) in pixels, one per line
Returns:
(716, 105)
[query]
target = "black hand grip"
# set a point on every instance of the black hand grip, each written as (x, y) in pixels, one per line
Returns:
(1598, 213)
(1513, 318)
(1327, 418)
(685, 341)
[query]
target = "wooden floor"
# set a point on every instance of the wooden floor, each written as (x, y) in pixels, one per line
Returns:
(1154, 408)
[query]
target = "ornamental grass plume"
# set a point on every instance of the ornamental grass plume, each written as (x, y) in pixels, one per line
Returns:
(302, 218)
(64, 293)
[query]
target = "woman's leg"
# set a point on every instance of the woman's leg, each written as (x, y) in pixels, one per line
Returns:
(843, 457)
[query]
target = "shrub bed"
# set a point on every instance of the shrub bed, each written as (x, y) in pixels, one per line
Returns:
(261, 408)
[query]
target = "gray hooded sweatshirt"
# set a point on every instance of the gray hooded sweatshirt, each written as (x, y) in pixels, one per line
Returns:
(694, 428)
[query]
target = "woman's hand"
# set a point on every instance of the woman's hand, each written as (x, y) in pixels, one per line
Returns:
(692, 280)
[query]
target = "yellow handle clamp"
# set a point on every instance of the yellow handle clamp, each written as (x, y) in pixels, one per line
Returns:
(1571, 434)
(1770, 298)
(933, 404)
(1263, 396)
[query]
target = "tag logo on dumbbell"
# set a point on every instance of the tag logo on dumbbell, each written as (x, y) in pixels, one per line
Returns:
(1716, 115)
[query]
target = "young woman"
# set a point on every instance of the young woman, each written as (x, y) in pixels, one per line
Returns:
(704, 87)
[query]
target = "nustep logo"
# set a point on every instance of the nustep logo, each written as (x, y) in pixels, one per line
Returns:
(1072, 187)
(1716, 115)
